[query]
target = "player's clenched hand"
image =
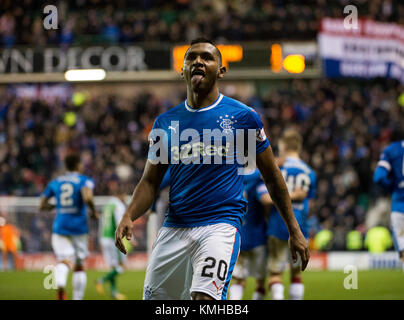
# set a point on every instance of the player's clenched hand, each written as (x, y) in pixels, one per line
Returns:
(124, 230)
(299, 245)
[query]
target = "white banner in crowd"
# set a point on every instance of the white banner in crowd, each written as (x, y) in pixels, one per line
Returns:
(374, 49)
(362, 260)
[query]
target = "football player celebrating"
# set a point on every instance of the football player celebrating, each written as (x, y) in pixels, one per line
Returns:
(198, 245)
(72, 191)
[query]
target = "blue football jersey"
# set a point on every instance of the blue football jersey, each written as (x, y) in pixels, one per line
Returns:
(205, 184)
(297, 175)
(253, 230)
(71, 211)
(389, 174)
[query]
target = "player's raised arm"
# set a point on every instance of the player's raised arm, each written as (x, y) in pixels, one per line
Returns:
(143, 197)
(280, 196)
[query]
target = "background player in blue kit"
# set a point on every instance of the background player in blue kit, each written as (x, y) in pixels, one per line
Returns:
(301, 182)
(198, 245)
(72, 191)
(389, 174)
(253, 251)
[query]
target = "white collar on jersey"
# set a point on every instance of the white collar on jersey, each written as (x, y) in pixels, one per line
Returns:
(214, 104)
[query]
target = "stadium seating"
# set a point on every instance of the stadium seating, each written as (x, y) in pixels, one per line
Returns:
(95, 22)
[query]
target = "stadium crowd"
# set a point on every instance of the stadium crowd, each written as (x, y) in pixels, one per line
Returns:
(82, 22)
(345, 127)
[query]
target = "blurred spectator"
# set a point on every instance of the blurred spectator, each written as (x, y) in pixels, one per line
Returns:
(111, 31)
(345, 125)
(339, 238)
(9, 244)
(111, 133)
(323, 240)
(378, 239)
(354, 240)
(164, 21)
(379, 213)
(353, 235)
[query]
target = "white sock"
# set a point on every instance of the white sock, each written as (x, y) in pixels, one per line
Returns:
(277, 290)
(79, 284)
(236, 292)
(296, 291)
(258, 296)
(62, 271)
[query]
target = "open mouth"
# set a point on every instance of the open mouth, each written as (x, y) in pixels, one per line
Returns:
(197, 76)
(198, 72)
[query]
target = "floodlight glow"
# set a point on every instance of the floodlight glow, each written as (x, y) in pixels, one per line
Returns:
(85, 75)
(276, 57)
(294, 63)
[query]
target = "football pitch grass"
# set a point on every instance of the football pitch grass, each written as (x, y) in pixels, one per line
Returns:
(319, 285)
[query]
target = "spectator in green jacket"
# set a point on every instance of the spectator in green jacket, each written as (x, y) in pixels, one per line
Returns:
(354, 240)
(378, 239)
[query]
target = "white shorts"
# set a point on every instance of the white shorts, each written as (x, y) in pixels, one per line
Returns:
(113, 257)
(71, 248)
(186, 260)
(251, 263)
(397, 226)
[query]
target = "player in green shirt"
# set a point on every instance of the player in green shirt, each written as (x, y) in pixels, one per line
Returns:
(111, 215)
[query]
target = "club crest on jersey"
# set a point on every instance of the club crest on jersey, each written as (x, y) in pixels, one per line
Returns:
(226, 123)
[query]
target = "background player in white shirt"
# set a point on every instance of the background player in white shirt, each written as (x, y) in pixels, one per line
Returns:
(111, 215)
